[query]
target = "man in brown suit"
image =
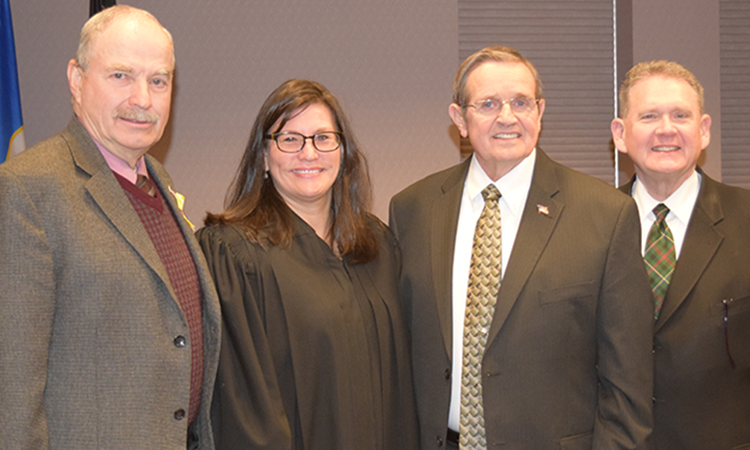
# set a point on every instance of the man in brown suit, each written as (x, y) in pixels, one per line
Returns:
(702, 330)
(109, 322)
(567, 361)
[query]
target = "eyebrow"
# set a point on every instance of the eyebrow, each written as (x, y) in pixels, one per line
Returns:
(127, 69)
(514, 96)
(120, 68)
(165, 72)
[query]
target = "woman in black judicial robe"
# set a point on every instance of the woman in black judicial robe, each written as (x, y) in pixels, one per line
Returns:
(315, 352)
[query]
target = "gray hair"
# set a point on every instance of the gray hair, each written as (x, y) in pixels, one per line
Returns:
(100, 21)
(494, 53)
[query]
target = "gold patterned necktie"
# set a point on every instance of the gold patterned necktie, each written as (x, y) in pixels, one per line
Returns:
(659, 256)
(484, 284)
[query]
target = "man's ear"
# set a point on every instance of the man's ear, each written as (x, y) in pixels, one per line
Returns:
(705, 131)
(618, 134)
(541, 105)
(458, 118)
(75, 75)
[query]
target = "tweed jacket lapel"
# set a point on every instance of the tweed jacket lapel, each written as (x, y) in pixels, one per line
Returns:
(164, 182)
(107, 193)
(446, 206)
(534, 233)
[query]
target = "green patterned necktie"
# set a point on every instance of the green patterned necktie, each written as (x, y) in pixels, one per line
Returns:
(484, 284)
(659, 256)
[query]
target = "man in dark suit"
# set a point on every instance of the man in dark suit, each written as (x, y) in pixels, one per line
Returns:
(567, 360)
(702, 330)
(109, 320)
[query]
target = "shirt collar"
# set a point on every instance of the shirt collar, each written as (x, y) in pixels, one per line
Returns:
(122, 168)
(680, 203)
(513, 186)
(119, 166)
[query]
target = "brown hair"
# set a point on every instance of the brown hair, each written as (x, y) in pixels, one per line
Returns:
(668, 69)
(254, 203)
(494, 53)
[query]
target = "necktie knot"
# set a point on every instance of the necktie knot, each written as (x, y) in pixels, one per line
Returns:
(490, 193)
(661, 211)
(145, 185)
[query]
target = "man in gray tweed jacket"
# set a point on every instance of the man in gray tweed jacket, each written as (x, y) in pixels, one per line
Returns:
(109, 322)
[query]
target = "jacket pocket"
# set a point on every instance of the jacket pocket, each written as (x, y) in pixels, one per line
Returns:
(735, 321)
(737, 305)
(570, 292)
(578, 442)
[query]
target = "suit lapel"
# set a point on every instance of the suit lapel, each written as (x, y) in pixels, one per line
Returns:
(627, 188)
(534, 233)
(444, 218)
(702, 240)
(107, 193)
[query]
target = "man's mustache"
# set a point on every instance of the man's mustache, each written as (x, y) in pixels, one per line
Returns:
(135, 114)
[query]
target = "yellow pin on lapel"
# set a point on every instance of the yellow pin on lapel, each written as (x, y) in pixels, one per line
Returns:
(180, 199)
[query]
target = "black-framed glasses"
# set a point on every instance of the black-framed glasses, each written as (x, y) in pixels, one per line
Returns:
(291, 142)
(492, 106)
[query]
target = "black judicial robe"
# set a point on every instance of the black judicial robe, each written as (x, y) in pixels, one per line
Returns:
(315, 351)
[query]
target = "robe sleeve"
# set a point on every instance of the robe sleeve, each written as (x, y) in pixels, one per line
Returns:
(247, 410)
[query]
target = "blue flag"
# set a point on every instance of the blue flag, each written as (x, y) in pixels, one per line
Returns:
(11, 121)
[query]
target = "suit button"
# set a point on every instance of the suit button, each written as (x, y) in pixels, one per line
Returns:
(447, 374)
(180, 341)
(179, 414)
(439, 441)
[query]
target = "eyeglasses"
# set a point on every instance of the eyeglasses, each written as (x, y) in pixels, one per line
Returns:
(492, 107)
(291, 142)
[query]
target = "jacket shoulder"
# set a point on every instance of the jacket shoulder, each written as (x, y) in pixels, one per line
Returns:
(723, 202)
(40, 158)
(432, 183)
(725, 191)
(587, 190)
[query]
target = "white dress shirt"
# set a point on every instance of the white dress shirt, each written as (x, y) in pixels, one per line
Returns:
(514, 188)
(680, 204)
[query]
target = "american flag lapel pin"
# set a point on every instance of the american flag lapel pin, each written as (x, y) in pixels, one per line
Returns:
(541, 209)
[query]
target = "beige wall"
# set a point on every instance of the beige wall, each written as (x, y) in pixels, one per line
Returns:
(391, 63)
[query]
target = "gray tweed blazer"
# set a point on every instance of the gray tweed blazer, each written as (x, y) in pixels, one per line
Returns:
(88, 318)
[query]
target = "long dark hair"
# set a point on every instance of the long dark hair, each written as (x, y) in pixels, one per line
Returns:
(254, 203)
